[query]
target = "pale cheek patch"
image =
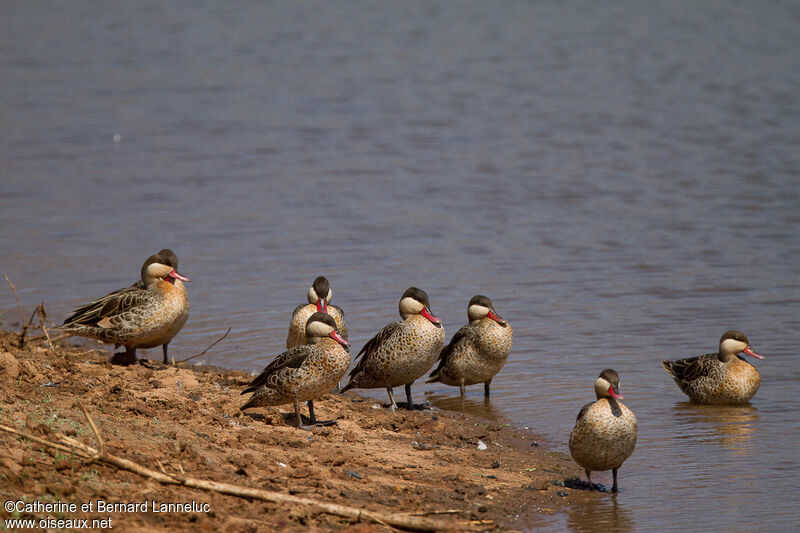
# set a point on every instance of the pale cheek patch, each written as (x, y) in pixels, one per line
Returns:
(312, 296)
(476, 312)
(732, 346)
(318, 329)
(157, 270)
(409, 306)
(601, 387)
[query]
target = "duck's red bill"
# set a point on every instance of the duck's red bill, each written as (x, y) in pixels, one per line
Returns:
(749, 351)
(338, 338)
(177, 275)
(427, 314)
(497, 318)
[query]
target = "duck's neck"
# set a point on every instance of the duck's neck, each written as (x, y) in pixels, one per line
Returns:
(725, 356)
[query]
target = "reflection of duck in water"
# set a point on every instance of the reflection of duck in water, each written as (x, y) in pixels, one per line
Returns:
(719, 378)
(605, 431)
(481, 407)
(731, 426)
(600, 514)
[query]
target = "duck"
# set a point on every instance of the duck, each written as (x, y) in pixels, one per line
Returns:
(319, 300)
(605, 431)
(148, 313)
(477, 351)
(401, 352)
(303, 373)
(722, 378)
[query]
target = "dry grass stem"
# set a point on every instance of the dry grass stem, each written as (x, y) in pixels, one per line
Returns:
(23, 323)
(42, 317)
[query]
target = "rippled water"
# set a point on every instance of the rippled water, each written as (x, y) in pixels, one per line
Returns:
(622, 180)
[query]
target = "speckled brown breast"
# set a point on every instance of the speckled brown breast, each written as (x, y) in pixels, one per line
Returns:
(604, 435)
(320, 372)
(402, 358)
(155, 321)
(479, 356)
(734, 382)
(297, 324)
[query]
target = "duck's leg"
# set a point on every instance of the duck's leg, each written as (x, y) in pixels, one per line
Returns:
(313, 417)
(410, 404)
(299, 419)
(392, 405)
(166, 358)
(589, 477)
(486, 388)
(463, 390)
(126, 358)
(614, 487)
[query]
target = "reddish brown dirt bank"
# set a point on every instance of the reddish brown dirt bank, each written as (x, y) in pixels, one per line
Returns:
(188, 421)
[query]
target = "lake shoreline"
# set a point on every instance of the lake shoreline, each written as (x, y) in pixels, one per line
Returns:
(454, 469)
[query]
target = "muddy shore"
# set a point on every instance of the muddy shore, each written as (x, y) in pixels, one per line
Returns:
(460, 470)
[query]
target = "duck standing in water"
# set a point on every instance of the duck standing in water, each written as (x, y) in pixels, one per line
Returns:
(305, 372)
(401, 352)
(605, 432)
(721, 378)
(477, 351)
(148, 313)
(319, 299)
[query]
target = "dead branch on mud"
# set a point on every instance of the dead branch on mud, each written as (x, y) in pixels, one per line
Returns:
(42, 317)
(70, 445)
(25, 325)
(204, 351)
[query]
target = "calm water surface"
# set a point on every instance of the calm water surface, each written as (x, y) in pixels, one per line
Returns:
(622, 180)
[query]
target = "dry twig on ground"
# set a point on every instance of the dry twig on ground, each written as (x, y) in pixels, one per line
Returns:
(42, 317)
(204, 351)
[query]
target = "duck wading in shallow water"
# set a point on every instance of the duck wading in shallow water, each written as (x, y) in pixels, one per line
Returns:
(149, 313)
(477, 351)
(605, 431)
(721, 378)
(319, 299)
(303, 373)
(401, 352)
